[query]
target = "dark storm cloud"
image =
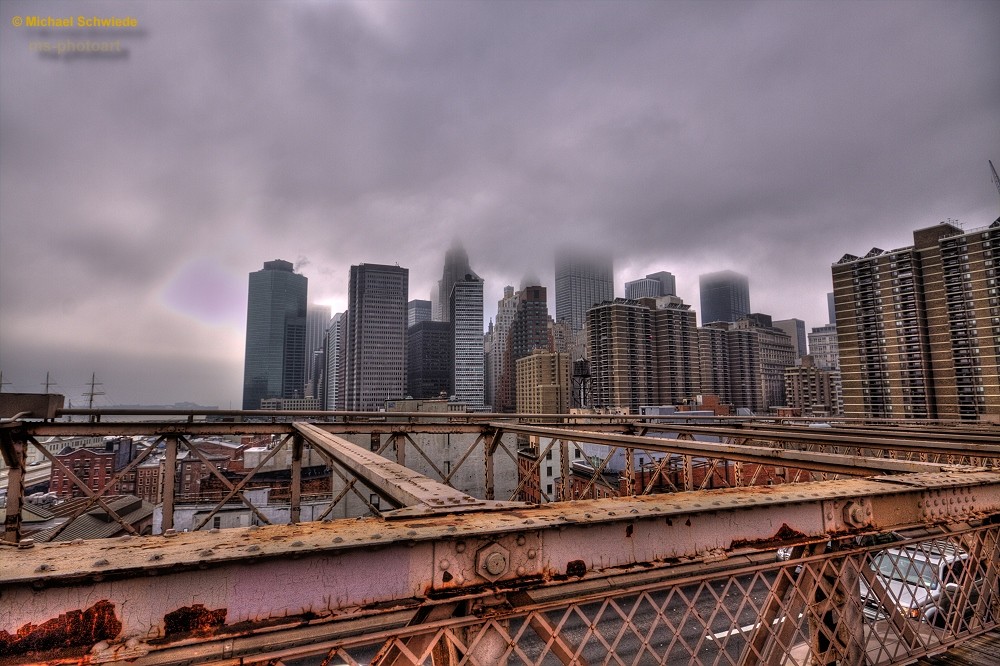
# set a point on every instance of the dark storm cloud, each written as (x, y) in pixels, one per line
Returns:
(770, 138)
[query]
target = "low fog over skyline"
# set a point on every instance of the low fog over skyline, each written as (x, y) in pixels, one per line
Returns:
(140, 187)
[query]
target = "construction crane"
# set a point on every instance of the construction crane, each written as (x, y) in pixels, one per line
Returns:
(996, 179)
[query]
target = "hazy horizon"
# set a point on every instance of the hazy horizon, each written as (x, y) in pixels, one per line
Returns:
(138, 191)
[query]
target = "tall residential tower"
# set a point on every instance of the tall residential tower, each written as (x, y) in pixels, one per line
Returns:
(919, 327)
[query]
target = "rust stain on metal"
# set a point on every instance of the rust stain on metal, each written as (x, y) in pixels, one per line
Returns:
(74, 629)
(193, 619)
(628, 530)
(784, 533)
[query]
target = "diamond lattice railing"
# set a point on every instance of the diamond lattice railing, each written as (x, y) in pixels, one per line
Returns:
(831, 603)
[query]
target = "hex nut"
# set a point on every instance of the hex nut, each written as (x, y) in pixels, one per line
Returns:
(855, 515)
(492, 561)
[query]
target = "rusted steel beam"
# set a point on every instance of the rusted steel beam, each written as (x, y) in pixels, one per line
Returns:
(13, 448)
(295, 499)
(237, 582)
(982, 433)
(396, 483)
(981, 446)
(822, 462)
(169, 482)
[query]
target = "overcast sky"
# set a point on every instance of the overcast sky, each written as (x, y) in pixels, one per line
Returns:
(137, 192)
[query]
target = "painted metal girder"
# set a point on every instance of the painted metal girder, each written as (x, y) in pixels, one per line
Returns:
(810, 460)
(414, 492)
(143, 597)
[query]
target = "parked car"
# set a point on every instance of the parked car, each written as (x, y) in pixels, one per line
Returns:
(921, 581)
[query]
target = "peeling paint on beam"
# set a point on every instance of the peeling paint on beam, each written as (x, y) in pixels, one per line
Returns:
(287, 574)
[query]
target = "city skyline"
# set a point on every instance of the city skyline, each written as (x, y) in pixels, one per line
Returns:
(137, 193)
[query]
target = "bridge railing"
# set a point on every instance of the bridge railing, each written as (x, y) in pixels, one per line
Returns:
(502, 457)
(880, 570)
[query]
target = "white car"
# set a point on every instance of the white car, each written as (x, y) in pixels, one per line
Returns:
(920, 581)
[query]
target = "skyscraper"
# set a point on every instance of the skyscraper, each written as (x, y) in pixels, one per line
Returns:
(497, 341)
(823, 347)
(543, 383)
(418, 311)
(796, 328)
(744, 363)
(466, 316)
(643, 352)
(430, 367)
(275, 358)
(725, 296)
(622, 359)
(919, 327)
(529, 330)
(582, 281)
(336, 368)
(376, 336)
(774, 352)
(675, 340)
(317, 321)
(653, 285)
(456, 267)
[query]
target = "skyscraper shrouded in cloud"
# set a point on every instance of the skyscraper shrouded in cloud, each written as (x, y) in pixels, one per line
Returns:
(725, 296)
(275, 359)
(582, 281)
(456, 267)
(375, 359)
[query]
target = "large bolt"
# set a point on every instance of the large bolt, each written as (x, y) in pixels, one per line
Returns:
(855, 515)
(492, 561)
(496, 563)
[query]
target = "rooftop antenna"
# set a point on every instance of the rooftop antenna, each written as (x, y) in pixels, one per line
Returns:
(48, 382)
(90, 394)
(996, 179)
(2, 382)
